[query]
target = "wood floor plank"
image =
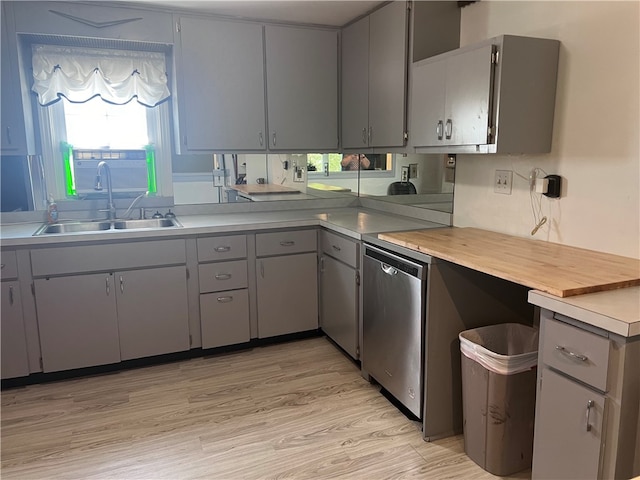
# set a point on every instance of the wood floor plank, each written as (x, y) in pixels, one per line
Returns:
(295, 410)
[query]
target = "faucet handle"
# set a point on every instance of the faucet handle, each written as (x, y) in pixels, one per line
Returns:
(143, 213)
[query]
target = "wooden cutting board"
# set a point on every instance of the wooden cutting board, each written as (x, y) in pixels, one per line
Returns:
(550, 267)
(263, 189)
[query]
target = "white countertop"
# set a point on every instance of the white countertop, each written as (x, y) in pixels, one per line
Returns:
(352, 222)
(617, 311)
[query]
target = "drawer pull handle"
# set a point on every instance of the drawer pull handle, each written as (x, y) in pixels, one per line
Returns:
(222, 249)
(287, 243)
(121, 284)
(590, 404)
(226, 299)
(223, 276)
(336, 248)
(1, 265)
(11, 295)
(569, 353)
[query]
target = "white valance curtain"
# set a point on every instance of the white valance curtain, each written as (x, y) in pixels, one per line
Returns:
(117, 76)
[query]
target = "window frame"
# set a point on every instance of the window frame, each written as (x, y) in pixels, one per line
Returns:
(361, 173)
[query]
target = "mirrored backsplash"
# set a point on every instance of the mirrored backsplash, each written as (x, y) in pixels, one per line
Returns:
(425, 181)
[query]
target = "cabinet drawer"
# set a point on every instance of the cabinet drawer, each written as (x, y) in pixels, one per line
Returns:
(9, 263)
(107, 257)
(281, 243)
(222, 248)
(216, 277)
(224, 318)
(578, 353)
(340, 248)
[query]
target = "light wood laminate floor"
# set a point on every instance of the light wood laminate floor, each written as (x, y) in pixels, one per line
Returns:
(294, 410)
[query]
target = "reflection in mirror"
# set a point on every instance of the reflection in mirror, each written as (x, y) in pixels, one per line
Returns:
(425, 181)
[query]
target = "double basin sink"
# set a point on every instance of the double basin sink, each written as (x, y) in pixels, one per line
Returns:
(102, 225)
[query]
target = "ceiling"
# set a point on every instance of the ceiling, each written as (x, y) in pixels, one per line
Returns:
(328, 12)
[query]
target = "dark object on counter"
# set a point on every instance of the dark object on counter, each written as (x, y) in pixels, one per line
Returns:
(401, 188)
(157, 215)
(169, 214)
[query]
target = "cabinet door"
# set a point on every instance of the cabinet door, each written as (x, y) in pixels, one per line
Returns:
(222, 103)
(388, 75)
(302, 88)
(468, 97)
(355, 85)
(153, 314)
(224, 318)
(15, 362)
(77, 321)
(12, 120)
(287, 294)
(339, 304)
(563, 446)
(427, 105)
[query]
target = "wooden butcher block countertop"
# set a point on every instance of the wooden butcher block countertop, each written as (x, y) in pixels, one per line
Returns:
(557, 269)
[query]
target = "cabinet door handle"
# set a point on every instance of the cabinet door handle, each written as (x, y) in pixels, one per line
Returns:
(1, 265)
(262, 269)
(274, 139)
(260, 138)
(364, 135)
(223, 276)
(11, 295)
(571, 354)
(9, 136)
(226, 299)
(287, 243)
(590, 404)
(370, 132)
(439, 129)
(108, 286)
(321, 264)
(121, 284)
(336, 248)
(224, 248)
(449, 129)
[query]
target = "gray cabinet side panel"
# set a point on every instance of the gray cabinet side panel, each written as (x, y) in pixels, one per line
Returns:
(528, 72)
(388, 75)
(355, 84)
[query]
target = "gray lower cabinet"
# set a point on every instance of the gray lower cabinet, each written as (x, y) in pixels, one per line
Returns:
(339, 303)
(287, 294)
(97, 319)
(15, 362)
(587, 402)
(224, 318)
(340, 290)
(153, 316)
(77, 321)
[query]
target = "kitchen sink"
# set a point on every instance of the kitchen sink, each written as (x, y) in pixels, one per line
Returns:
(146, 223)
(98, 226)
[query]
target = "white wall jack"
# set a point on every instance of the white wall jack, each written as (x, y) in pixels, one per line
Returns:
(502, 182)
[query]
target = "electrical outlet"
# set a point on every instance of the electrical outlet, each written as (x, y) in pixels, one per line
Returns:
(299, 174)
(413, 170)
(502, 182)
(404, 175)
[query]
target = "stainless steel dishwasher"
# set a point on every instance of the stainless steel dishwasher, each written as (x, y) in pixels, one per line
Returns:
(393, 324)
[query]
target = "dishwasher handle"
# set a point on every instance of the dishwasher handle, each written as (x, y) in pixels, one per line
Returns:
(388, 269)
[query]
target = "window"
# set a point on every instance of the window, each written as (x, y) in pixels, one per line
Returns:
(332, 164)
(103, 100)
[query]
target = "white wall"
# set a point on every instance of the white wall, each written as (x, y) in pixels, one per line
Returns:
(596, 128)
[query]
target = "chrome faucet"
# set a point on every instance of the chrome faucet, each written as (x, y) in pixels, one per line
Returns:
(111, 208)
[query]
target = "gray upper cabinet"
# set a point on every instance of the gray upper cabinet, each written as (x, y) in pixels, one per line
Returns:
(97, 21)
(374, 67)
(13, 127)
(497, 96)
(302, 88)
(221, 99)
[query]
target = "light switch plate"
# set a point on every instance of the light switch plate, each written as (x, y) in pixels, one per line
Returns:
(404, 175)
(502, 182)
